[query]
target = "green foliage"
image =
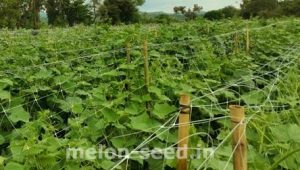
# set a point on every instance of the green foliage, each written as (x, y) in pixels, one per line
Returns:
(73, 88)
(160, 18)
(14, 166)
(163, 19)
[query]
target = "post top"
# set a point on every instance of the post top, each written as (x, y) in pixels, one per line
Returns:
(236, 107)
(185, 100)
(237, 113)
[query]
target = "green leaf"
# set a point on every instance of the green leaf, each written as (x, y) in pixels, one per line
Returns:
(113, 73)
(43, 74)
(17, 150)
(5, 95)
(5, 83)
(19, 114)
(280, 133)
(134, 108)
(124, 142)
(2, 139)
(158, 93)
(170, 137)
(59, 80)
(162, 110)
(110, 115)
(187, 88)
(144, 123)
(14, 166)
(219, 164)
(73, 104)
(226, 94)
(254, 97)
(146, 98)
(285, 133)
(155, 163)
(2, 159)
(107, 164)
(128, 66)
(154, 53)
(293, 132)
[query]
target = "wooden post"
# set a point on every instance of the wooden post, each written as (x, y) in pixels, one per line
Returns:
(247, 40)
(128, 52)
(236, 43)
(146, 72)
(183, 132)
(208, 29)
(128, 60)
(239, 142)
(146, 63)
(155, 32)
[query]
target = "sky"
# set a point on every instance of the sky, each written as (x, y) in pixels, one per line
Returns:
(168, 5)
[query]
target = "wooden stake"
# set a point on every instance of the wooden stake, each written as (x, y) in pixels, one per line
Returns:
(128, 59)
(146, 63)
(183, 132)
(155, 32)
(236, 43)
(128, 52)
(247, 40)
(239, 142)
(146, 72)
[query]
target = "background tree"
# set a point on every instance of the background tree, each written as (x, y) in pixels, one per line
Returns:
(138, 2)
(117, 11)
(227, 12)
(230, 12)
(78, 12)
(10, 13)
(213, 15)
(290, 7)
(35, 7)
(71, 12)
(95, 5)
(56, 12)
(30, 13)
(260, 8)
(164, 19)
(190, 13)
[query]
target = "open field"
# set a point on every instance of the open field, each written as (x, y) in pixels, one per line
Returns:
(119, 87)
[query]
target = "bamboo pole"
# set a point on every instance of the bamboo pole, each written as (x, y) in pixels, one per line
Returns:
(128, 60)
(247, 40)
(146, 63)
(236, 43)
(128, 53)
(239, 142)
(146, 72)
(183, 132)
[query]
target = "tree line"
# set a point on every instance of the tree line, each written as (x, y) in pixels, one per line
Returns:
(26, 13)
(258, 8)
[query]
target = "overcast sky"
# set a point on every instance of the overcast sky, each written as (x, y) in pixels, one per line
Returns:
(168, 5)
